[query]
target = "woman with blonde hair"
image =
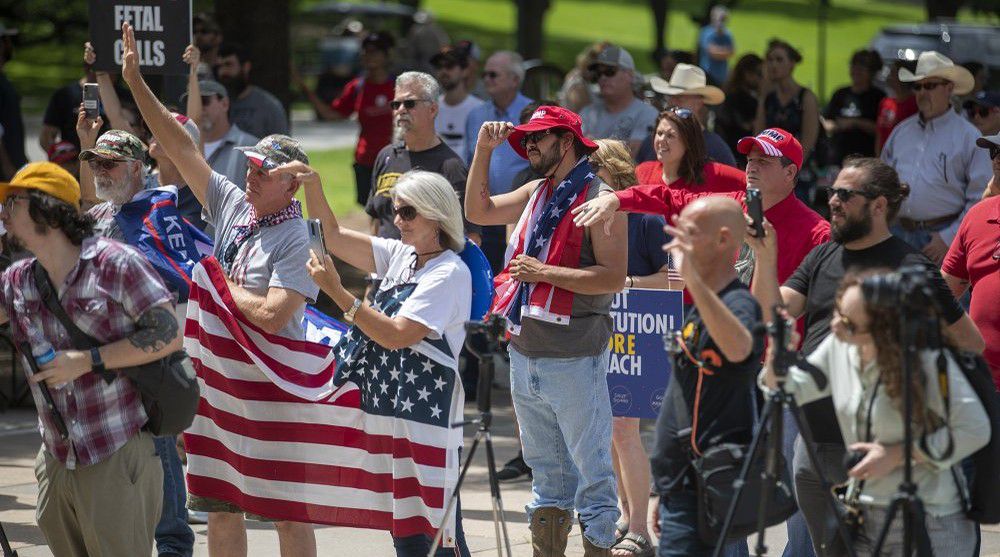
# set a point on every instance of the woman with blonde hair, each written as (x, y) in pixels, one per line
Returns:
(647, 268)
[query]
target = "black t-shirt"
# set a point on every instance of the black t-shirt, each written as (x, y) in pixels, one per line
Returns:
(393, 161)
(62, 110)
(848, 104)
(726, 404)
(818, 277)
(13, 124)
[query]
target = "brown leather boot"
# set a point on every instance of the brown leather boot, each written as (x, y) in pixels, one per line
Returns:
(591, 550)
(550, 529)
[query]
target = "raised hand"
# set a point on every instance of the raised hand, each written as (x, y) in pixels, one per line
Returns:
(192, 56)
(130, 54)
(88, 130)
(298, 170)
(493, 134)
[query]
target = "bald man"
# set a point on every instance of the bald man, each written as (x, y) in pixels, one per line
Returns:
(718, 331)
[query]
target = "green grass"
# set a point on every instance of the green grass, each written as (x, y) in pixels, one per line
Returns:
(334, 166)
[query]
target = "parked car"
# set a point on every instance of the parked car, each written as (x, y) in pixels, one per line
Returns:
(960, 42)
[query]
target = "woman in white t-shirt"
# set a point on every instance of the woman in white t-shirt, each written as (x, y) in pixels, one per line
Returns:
(423, 300)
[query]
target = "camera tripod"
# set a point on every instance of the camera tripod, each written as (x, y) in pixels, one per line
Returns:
(493, 328)
(773, 415)
(5, 544)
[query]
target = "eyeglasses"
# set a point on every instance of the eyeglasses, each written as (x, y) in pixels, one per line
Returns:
(405, 212)
(490, 75)
(8, 204)
(207, 99)
(534, 137)
(408, 103)
(845, 194)
(849, 326)
(103, 164)
(981, 111)
(927, 86)
(597, 71)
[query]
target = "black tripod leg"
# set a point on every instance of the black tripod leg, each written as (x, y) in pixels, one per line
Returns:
(771, 473)
(807, 439)
(5, 544)
(499, 521)
(755, 445)
(890, 513)
(454, 496)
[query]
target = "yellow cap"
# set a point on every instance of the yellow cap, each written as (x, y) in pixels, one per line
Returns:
(45, 177)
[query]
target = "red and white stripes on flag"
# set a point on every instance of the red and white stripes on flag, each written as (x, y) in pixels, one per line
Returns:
(275, 437)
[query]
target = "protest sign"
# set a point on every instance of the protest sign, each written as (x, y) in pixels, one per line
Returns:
(162, 32)
(639, 367)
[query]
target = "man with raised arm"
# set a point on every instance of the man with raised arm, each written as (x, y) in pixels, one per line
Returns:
(263, 246)
(556, 293)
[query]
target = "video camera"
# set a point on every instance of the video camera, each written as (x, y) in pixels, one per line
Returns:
(909, 288)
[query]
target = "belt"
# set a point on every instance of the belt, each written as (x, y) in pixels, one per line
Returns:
(929, 224)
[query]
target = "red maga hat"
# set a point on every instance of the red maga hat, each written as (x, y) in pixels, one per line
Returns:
(547, 117)
(774, 142)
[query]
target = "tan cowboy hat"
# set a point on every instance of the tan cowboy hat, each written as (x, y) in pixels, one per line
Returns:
(931, 63)
(688, 80)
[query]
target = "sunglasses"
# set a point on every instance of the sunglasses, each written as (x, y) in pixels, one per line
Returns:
(684, 113)
(103, 164)
(490, 75)
(981, 111)
(927, 86)
(849, 326)
(534, 137)
(408, 103)
(596, 71)
(845, 194)
(405, 212)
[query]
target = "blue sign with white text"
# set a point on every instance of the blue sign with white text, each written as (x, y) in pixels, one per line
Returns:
(639, 367)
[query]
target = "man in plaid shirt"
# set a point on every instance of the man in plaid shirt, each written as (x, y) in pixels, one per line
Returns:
(100, 480)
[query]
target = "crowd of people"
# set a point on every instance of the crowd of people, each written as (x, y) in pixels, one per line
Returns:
(622, 182)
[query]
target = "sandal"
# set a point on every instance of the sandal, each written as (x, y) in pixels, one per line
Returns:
(636, 544)
(621, 530)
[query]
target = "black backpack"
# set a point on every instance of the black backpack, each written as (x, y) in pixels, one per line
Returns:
(981, 499)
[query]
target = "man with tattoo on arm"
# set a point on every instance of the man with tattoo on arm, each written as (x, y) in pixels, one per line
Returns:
(85, 504)
(263, 246)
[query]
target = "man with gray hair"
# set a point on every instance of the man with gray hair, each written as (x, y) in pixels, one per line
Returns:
(618, 114)
(415, 146)
(220, 135)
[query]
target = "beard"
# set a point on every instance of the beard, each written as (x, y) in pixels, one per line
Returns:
(117, 192)
(547, 162)
(234, 85)
(448, 84)
(400, 127)
(853, 228)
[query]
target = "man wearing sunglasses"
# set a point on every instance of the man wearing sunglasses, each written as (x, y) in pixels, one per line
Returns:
(416, 146)
(618, 114)
(263, 246)
(983, 110)
(973, 261)
(221, 137)
(934, 153)
(451, 67)
(863, 201)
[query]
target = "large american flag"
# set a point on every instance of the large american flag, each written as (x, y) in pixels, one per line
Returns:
(351, 435)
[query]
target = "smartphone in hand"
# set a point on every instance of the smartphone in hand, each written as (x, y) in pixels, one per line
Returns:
(316, 241)
(91, 101)
(755, 208)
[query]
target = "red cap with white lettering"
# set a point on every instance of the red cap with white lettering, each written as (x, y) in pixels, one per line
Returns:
(774, 142)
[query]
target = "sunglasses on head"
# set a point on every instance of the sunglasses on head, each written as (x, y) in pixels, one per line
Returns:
(408, 103)
(927, 86)
(981, 111)
(596, 71)
(405, 212)
(103, 164)
(845, 194)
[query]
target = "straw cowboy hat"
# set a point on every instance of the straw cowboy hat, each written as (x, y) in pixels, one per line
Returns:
(934, 64)
(688, 80)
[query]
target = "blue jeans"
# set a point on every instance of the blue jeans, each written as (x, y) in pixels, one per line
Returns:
(564, 412)
(173, 535)
(420, 545)
(679, 529)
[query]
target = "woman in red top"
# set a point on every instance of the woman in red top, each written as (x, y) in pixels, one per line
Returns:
(681, 174)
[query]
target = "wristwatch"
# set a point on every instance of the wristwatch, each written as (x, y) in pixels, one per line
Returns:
(349, 314)
(97, 365)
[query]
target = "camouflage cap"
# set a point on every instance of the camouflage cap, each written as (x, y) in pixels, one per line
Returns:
(274, 151)
(117, 145)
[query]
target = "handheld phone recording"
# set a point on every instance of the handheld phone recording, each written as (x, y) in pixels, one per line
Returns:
(755, 208)
(91, 101)
(316, 241)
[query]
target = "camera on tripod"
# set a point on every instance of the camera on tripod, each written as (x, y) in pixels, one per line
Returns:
(493, 326)
(908, 289)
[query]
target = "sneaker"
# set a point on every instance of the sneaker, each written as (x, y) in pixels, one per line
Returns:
(515, 469)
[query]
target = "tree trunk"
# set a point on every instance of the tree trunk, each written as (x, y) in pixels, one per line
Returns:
(943, 9)
(531, 27)
(262, 27)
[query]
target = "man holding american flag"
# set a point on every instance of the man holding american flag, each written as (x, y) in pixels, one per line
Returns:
(556, 293)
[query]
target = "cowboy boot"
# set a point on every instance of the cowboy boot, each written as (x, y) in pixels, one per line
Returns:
(589, 549)
(550, 529)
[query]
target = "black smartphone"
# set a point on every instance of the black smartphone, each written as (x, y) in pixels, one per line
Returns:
(755, 208)
(91, 101)
(50, 404)
(316, 241)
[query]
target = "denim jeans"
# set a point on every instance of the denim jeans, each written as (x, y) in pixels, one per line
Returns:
(564, 413)
(420, 545)
(916, 238)
(173, 535)
(679, 529)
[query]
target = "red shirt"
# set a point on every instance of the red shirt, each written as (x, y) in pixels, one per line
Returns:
(971, 258)
(371, 102)
(891, 112)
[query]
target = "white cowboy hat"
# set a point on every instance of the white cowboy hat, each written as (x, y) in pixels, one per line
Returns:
(688, 80)
(931, 63)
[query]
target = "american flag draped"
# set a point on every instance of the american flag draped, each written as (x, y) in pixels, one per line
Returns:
(353, 435)
(546, 232)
